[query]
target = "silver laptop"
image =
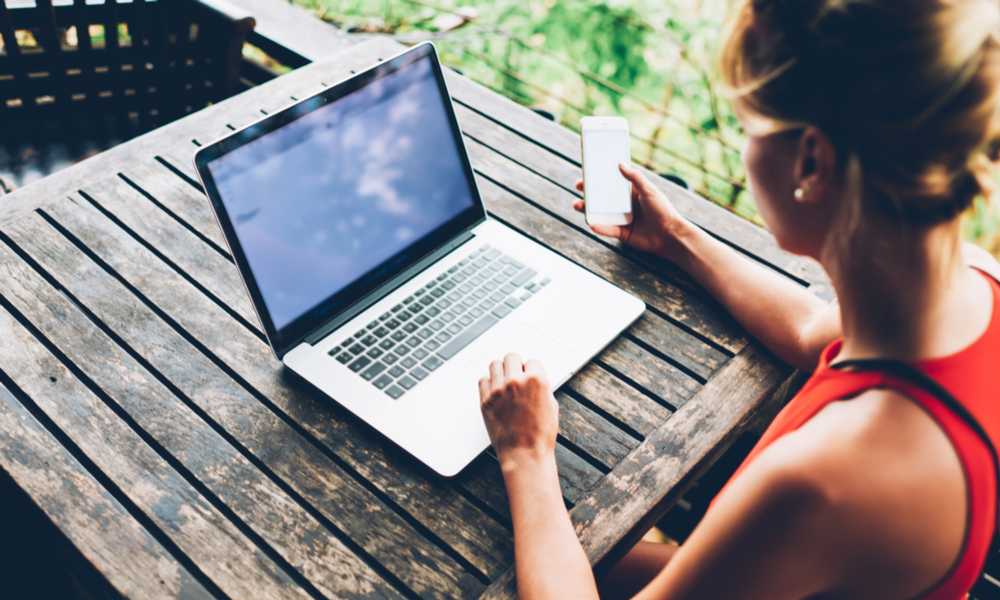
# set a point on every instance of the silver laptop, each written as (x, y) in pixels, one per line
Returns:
(359, 233)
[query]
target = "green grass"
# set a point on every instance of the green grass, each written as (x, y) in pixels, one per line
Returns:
(650, 61)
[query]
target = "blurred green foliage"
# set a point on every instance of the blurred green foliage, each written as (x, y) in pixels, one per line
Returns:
(650, 61)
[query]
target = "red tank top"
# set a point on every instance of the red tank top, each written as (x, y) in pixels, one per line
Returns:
(971, 375)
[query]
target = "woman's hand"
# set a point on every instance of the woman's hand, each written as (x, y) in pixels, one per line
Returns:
(654, 219)
(521, 414)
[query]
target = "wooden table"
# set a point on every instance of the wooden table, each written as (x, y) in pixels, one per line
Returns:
(144, 414)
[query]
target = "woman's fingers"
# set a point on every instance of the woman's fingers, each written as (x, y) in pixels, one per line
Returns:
(512, 365)
(579, 185)
(638, 180)
(612, 231)
(578, 206)
(484, 389)
(496, 375)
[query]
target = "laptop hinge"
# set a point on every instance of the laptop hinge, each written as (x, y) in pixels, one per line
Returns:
(378, 293)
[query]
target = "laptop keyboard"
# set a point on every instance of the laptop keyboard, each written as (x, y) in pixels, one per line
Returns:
(403, 346)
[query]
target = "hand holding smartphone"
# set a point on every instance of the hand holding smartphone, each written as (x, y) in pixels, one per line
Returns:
(606, 192)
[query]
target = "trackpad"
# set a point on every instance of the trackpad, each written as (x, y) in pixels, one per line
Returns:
(529, 343)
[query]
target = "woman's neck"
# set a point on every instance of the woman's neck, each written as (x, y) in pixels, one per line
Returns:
(908, 296)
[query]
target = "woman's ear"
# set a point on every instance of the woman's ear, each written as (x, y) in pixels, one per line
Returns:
(815, 166)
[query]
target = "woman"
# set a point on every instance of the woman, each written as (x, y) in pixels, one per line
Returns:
(872, 125)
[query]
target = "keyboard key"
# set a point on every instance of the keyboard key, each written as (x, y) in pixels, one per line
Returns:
(382, 381)
(381, 332)
(425, 333)
(420, 354)
(458, 277)
(397, 308)
(394, 391)
(532, 287)
(463, 262)
(399, 336)
(476, 281)
(511, 261)
(432, 363)
(545, 281)
(361, 334)
(347, 343)
(357, 349)
(373, 370)
(419, 373)
(431, 284)
(336, 350)
(484, 247)
(437, 325)
(465, 338)
(495, 267)
(459, 309)
(427, 300)
(431, 346)
(390, 358)
(498, 296)
(415, 308)
(386, 344)
(409, 362)
(359, 364)
(454, 328)
(369, 340)
(438, 292)
(392, 324)
(480, 293)
(501, 278)
(487, 304)
(525, 296)
(413, 342)
(408, 299)
(397, 371)
(402, 349)
(470, 301)
(419, 292)
(469, 270)
(453, 269)
(442, 277)
(479, 263)
(465, 320)
(448, 317)
(491, 254)
(501, 311)
(345, 358)
(433, 311)
(448, 285)
(523, 277)
(511, 271)
(404, 316)
(410, 327)
(512, 302)
(444, 304)
(372, 325)
(454, 296)
(373, 353)
(385, 317)
(407, 382)
(422, 319)
(443, 337)
(491, 286)
(507, 288)
(475, 313)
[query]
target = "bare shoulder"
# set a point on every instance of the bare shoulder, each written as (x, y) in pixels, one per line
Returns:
(979, 258)
(890, 488)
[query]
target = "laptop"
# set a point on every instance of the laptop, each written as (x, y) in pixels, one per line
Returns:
(359, 233)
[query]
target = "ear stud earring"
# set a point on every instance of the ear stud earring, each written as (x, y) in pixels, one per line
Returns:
(799, 194)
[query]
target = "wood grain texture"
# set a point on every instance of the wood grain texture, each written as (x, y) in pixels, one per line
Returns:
(99, 527)
(615, 514)
(483, 542)
(298, 537)
(592, 433)
(620, 400)
(324, 484)
(219, 549)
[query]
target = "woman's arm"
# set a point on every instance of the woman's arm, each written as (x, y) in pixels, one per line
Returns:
(788, 320)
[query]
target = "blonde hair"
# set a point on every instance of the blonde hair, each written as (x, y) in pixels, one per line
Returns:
(907, 90)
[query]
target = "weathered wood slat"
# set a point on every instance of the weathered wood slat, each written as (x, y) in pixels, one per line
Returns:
(618, 399)
(100, 528)
(630, 499)
(591, 432)
(653, 375)
(370, 523)
(180, 246)
(484, 543)
(213, 543)
(288, 528)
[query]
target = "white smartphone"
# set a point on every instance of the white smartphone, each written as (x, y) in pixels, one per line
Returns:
(606, 192)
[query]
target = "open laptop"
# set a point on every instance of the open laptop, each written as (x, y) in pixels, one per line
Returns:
(356, 225)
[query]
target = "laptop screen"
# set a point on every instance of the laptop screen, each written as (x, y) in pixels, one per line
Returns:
(346, 192)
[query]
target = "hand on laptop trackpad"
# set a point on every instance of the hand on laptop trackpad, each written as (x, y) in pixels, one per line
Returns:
(529, 343)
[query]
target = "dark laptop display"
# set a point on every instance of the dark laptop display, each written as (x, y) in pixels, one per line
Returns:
(334, 196)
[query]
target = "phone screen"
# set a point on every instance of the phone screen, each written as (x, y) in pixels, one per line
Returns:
(607, 191)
